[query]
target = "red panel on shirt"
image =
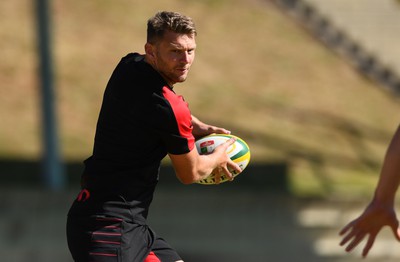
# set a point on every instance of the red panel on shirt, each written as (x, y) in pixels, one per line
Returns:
(182, 115)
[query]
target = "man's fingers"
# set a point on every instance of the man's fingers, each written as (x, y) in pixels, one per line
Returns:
(370, 243)
(220, 130)
(223, 172)
(230, 142)
(234, 169)
(356, 240)
(398, 234)
(228, 169)
(227, 172)
(395, 228)
(345, 229)
(346, 239)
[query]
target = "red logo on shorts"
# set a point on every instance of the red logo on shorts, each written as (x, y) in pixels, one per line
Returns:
(83, 195)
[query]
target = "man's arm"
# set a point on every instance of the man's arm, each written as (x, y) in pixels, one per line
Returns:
(380, 212)
(192, 166)
(390, 175)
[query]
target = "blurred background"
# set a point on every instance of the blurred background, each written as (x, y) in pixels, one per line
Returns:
(311, 85)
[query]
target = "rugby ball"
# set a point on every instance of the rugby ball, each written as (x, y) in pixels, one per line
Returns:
(238, 152)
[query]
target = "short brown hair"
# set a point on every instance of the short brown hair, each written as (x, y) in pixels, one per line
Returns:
(164, 21)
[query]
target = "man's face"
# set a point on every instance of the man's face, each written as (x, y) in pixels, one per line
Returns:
(173, 56)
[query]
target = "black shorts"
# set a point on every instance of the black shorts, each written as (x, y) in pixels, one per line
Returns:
(98, 238)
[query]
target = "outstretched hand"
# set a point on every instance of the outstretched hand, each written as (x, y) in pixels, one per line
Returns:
(374, 218)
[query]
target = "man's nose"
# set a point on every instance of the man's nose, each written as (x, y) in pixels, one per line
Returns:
(185, 57)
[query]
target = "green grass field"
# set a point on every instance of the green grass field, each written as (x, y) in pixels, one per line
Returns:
(256, 73)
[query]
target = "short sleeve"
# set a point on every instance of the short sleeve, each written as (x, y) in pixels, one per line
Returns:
(177, 120)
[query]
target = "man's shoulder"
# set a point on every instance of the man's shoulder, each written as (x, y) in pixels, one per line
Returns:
(133, 58)
(132, 61)
(134, 66)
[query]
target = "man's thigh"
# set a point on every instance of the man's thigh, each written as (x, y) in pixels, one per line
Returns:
(109, 239)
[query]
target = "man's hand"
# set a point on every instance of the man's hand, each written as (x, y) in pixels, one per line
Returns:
(374, 218)
(227, 166)
(201, 129)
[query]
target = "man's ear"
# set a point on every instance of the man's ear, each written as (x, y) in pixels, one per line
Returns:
(149, 49)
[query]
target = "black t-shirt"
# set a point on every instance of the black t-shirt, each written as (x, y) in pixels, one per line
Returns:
(141, 120)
